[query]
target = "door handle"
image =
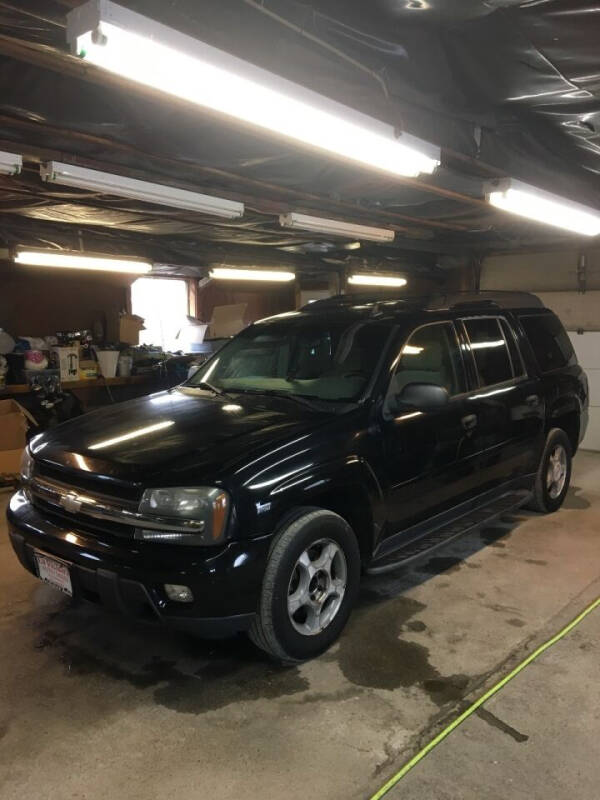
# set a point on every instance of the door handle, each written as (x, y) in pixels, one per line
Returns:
(469, 422)
(533, 400)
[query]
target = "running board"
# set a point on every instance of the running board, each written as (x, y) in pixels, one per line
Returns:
(441, 535)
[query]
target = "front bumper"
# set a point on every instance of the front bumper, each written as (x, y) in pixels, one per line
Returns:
(128, 576)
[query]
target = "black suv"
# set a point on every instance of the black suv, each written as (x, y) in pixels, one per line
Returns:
(350, 435)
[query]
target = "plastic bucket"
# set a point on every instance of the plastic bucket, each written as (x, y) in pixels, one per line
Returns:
(107, 360)
(125, 364)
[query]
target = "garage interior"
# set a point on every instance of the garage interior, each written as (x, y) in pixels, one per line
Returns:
(92, 704)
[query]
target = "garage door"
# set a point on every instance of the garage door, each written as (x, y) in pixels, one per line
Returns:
(587, 347)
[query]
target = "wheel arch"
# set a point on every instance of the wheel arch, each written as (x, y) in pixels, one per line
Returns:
(566, 414)
(350, 490)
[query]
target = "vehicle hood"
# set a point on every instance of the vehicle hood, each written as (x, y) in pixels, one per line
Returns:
(174, 433)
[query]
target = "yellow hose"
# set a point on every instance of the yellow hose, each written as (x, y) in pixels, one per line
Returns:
(490, 692)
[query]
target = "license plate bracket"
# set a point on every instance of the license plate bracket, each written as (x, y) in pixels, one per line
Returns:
(54, 571)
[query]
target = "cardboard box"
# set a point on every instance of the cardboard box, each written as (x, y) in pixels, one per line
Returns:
(68, 362)
(14, 422)
(130, 326)
(227, 320)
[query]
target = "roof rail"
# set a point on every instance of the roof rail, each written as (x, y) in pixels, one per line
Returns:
(360, 299)
(494, 299)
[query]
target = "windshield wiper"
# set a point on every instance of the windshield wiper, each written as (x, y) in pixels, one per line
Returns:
(301, 399)
(209, 387)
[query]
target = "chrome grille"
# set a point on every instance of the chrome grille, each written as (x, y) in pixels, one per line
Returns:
(118, 516)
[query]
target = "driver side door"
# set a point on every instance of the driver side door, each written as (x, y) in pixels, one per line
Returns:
(428, 456)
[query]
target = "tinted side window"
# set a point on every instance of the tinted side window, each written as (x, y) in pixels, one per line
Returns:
(549, 340)
(489, 350)
(431, 355)
(513, 349)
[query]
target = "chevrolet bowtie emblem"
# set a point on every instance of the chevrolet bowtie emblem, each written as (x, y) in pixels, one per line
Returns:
(71, 503)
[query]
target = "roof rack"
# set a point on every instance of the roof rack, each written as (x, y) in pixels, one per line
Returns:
(360, 301)
(435, 302)
(489, 298)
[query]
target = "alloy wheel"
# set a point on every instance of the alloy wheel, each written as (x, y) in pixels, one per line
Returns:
(317, 587)
(557, 471)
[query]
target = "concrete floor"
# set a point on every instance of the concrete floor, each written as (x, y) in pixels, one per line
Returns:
(94, 707)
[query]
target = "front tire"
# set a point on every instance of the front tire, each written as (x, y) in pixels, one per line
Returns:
(309, 588)
(554, 473)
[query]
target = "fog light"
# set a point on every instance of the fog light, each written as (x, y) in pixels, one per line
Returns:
(180, 594)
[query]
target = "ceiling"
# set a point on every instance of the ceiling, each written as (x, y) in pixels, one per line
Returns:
(505, 87)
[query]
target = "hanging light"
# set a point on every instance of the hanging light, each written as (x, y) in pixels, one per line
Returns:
(370, 279)
(147, 52)
(72, 260)
(550, 209)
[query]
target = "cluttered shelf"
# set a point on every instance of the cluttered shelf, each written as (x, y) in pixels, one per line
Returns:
(88, 383)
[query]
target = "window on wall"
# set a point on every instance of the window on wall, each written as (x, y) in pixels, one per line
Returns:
(163, 304)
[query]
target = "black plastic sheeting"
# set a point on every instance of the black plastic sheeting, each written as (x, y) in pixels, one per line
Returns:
(514, 85)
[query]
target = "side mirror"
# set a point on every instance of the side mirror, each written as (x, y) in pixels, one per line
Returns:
(422, 396)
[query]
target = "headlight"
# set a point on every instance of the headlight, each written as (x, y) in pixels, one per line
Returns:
(27, 465)
(180, 515)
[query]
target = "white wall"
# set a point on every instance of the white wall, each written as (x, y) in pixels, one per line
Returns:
(587, 347)
(553, 271)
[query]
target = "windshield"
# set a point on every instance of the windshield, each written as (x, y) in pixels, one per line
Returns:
(326, 360)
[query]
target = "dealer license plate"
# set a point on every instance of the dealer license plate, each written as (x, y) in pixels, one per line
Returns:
(53, 571)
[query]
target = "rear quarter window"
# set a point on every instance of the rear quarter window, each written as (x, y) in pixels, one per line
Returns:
(549, 340)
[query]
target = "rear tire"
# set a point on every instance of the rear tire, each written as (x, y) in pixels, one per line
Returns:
(554, 473)
(309, 587)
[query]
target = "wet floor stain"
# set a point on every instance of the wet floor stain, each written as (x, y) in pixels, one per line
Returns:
(200, 676)
(372, 653)
(446, 690)
(416, 625)
(195, 694)
(516, 622)
(574, 500)
(537, 561)
(496, 722)
(79, 662)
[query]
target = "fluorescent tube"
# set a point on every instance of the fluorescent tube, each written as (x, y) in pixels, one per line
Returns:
(545, 207)
(231, 274)
(335, 228)
(92, 179)
(10, 163)
(142, 50)
(59, 258)
(365, 279)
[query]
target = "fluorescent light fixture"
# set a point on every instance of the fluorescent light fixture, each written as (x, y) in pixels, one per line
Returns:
(62, 259)
(231, 274)
(147, 52)
(10, 163)
(106, 182)
(135, 434)
(333, 227)
(545, 207)
(366, 279)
